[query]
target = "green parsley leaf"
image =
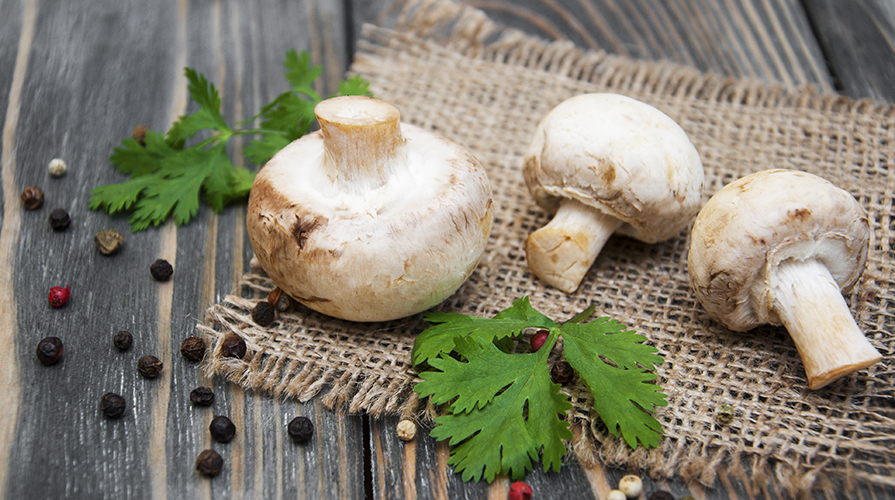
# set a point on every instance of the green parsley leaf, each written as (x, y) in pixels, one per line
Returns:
(168, 179)
(503, 409)
(506, 410)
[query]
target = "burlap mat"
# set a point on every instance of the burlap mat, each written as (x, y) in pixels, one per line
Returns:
(449, 69)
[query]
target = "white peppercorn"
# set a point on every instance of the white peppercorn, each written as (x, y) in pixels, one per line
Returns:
(406, 430)
(631, 486)
(57, 167)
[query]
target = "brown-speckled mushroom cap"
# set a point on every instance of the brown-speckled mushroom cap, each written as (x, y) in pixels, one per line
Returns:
(753, 224)
(620, 156)
(369, 219)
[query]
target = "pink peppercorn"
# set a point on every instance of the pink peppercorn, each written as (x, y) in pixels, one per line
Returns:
(59, 296)
(538, 339)
(520, 491)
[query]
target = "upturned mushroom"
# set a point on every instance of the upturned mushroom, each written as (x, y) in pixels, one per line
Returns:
(606, 163)
(781, 247)
(369, 219)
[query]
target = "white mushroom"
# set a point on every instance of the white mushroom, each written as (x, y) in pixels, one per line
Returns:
(781, 247)
(369, 219)
(606, 163)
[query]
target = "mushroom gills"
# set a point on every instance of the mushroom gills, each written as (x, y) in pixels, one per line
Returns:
(561, 252)
(809, 303)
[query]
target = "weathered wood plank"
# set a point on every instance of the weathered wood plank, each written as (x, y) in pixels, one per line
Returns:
(858, 39)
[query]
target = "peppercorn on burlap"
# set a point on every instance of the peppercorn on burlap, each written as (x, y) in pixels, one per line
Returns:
(451, 70)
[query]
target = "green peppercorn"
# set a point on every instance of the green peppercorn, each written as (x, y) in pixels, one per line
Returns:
(108, 241)
(209, 463)
(112, 405)
(149, 366)
(222, 429)
(724, 413)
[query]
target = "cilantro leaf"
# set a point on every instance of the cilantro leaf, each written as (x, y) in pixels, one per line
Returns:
(619, 391)
(503, 408)
(439, 339)
(169, 179)
(511, 416)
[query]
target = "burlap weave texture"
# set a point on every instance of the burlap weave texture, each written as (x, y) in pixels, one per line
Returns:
(450, 70)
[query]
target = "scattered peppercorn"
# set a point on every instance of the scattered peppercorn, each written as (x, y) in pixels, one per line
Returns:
(520, 491)
(300, 429)
(193, 348)
(233, 346)
(202, 396)
(139, 134)
(262, 313)
(161, 270)
(222, 429)
(59, 219)
(112, 405)
(538, 339)
(406, 430)
(59, 296)
(49, 350)
(108, 241)
(616, 495)
(123, 340)
(562, 373)
(209, 463)
(149, 366)
(631, 486)
(661, 495)
(724, 413)
(32, 198)
(279, 300)
(57, 167)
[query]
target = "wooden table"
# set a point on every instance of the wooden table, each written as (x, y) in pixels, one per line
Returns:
(76, 76)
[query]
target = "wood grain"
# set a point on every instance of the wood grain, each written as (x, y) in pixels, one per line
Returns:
(76, 76)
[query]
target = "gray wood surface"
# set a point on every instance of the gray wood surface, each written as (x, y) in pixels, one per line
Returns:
(76, 76)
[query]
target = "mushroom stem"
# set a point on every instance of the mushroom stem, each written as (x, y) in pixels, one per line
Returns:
(811, 306)
(561, 252)
(361, 140)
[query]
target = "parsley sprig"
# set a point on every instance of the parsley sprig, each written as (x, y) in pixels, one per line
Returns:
(504, 411)
(168, 178)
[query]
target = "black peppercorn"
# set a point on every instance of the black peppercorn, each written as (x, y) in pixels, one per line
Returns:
(280, 301)
(49, 350)
(123, 340)
(300, 429)
(661, 495)
(209, 463)
(161, 270)
(263, 313)
(112, 405)
(59, 219)
(149, 366)
(193, 348)
(222, 429)
(562, 373)
(202, 396)
(32, 198)
(139, 134)
(233, 346)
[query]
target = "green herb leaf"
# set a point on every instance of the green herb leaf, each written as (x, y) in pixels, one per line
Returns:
(503, 409)
(506, 413)
(169, 179)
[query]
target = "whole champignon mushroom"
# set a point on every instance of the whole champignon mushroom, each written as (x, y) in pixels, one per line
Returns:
(781, 247)
(606, 163)
(369, 219)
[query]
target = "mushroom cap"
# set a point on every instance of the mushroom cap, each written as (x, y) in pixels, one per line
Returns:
(753, 224)
(373, 254)
(620, 156)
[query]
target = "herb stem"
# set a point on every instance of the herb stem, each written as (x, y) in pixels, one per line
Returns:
(583, 315)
